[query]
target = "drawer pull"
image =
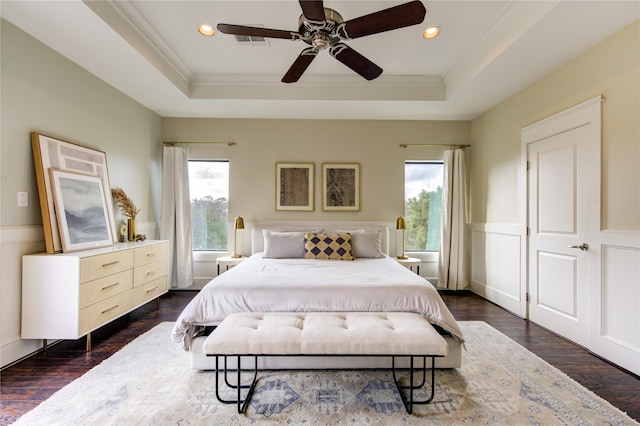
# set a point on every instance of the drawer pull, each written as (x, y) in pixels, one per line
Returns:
(153, 253)
(109, 309)
(151, 289)
(152, 272)
(104, 265)
(109, 286)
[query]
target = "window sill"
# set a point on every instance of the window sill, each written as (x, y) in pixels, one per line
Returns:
(208, 256)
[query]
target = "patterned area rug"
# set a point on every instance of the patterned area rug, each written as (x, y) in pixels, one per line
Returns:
(149, 382)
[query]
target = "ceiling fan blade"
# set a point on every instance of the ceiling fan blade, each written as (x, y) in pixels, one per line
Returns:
(300, 65)
(257, 32)
(400, 16)
(312, 9)
(355, 61)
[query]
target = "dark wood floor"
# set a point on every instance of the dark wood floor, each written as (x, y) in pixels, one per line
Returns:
(25, 385)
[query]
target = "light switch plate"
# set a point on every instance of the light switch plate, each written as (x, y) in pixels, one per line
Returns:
(23, 199)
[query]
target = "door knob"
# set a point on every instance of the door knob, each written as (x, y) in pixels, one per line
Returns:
(583, 247)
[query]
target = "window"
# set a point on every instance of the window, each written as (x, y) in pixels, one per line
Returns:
(209, 191)
(423, 204)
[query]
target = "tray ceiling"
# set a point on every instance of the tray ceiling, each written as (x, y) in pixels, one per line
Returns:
(151, 51)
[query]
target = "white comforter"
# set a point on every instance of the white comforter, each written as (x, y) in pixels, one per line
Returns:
(305, 285)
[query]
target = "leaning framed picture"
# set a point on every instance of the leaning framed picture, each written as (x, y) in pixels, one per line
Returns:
(49, 152)
(340, 186)
(294, 186)
(81, 208)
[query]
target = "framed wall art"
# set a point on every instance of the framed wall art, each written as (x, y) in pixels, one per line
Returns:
(341, 186)
(81, 206)
(54, 153)
(294, 186)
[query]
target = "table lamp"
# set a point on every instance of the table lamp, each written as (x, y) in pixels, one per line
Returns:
(238, 223)
(402, 225)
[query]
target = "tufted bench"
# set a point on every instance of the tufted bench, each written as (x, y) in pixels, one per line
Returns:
(387, 334)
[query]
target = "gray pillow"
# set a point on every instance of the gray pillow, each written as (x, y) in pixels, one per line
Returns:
(367, 244)
(283, 245)
(364, 244)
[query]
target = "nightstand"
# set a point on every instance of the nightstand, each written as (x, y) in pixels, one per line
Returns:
(228, 261)
(410, 262)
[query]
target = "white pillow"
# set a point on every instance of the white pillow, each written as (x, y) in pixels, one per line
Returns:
(283, 245)
(364, 243)
(367, 244)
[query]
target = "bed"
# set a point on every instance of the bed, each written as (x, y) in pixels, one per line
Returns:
(277, 278)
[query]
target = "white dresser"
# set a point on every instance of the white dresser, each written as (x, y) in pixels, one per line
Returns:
(68, 295)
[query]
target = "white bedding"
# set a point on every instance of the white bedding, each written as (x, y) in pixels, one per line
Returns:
(306, 285)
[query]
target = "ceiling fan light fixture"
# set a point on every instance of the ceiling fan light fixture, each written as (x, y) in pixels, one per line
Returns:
(323, 28)
(320, 41)
(206, 30)
(431, 32)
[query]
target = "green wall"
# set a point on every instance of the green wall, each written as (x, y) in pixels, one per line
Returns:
(610, 69)
(44, 92)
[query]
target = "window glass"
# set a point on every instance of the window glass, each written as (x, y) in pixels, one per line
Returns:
(423, 203)
(209, 191)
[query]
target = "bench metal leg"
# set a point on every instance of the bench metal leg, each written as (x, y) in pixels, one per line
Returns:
(408, 404)
(242, 403)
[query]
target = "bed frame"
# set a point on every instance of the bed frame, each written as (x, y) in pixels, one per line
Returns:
(200, 361)
(257, 239)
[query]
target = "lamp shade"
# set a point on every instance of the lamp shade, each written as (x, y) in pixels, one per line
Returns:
(238, 223)
(401, 223)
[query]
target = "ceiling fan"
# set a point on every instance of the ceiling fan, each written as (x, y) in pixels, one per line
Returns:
(324, 28)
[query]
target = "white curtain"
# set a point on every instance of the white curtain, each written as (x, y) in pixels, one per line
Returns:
(452, 267)
(176, 215)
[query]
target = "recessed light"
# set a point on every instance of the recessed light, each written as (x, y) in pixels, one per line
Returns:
(431, 32)
(206, 30)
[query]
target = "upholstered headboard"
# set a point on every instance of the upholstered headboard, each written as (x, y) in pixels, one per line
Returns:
(257, 239)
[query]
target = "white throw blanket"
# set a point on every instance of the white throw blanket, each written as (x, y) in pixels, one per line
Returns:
(308, 285)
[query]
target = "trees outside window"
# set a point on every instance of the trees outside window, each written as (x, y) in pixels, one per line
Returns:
(423, 205)
(209, 191)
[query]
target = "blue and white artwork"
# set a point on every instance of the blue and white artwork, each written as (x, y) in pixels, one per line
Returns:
(84, 210)
(81, 210)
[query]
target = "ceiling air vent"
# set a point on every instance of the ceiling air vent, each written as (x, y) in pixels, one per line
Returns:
(251, 40)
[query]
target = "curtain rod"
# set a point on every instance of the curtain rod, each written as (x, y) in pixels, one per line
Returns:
(189, 143)
(406, 145)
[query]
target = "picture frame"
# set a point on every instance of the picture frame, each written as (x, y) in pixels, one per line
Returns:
(294, 186)
(49, 152)
(341, 186)
(81, 207)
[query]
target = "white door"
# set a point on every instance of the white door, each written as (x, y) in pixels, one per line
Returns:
(563, 212)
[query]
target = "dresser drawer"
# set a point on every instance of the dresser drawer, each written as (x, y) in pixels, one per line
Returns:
(102, 288)
(104, 311)
(150, 290)
(151, 253)
(94, 267)
(145, 273)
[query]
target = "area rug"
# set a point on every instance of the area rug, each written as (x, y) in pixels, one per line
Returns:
(149, 382)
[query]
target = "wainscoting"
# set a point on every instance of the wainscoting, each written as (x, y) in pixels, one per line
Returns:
(498, 273)
(496, 269)
(16, 241)
(615, 326)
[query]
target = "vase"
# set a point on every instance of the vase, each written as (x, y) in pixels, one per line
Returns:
(131, 227)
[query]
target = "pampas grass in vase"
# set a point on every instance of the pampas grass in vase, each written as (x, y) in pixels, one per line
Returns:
(128, 209)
